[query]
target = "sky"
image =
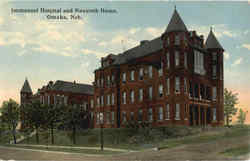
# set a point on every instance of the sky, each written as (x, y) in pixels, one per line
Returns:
(42, 50)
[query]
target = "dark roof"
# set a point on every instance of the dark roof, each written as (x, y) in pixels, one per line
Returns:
(212, 42)
(176, 23)
(26, 87)
(73, 87)
(139, 51)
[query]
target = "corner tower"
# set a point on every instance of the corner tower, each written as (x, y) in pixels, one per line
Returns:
(217, 72)
(26, 92)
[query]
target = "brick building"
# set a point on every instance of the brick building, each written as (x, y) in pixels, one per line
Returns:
(61, 92)
(173, 79)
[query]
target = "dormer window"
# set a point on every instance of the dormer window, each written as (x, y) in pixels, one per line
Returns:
(124, 77)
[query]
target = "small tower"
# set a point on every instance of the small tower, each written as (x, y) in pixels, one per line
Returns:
(216, 53)
(26, 92)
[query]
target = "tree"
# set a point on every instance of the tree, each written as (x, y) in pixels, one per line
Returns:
(241, 117)
(10, 116)
(34, 117)
(73, 117)
(53, 116)
(230, 100)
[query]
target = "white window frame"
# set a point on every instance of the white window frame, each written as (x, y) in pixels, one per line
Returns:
(177, 58)
(160, 90)
(160, 114)
(102, 100)
(177, 84)
(113, 99)
(214, 114)
(91, 103)
(177, 111)
(132, 75)
(112, 117)
(124, 95)
(150, 92)
(141, 73)
(177, 40)
(124, 116)
(108, 117)
(132, 96)
(150, 71)
(141, 94)
(167, 117)
(124, 77)
(160, 71)
(98, 101)
(108, 99)
(214, 93)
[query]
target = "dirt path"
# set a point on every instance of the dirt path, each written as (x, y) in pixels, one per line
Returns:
(207, 151)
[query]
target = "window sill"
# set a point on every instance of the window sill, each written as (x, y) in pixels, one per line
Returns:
(160, 120)
(167, 119)
(177, 118)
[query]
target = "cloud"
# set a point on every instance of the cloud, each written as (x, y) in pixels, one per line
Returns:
(226, 55)
(132, 31)
(237, 61)
(220, 30)
(97, 53)
(153, 31)
(247, 46)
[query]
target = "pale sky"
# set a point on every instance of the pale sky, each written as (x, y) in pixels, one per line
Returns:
(42, 50)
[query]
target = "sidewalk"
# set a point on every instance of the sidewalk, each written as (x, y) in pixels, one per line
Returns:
(73, 147)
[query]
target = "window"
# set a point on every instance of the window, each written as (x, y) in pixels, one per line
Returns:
(65, 100)
(168, 86)
(160, 90)
(168, 41)
(113, 98)
(108, 117)
(185, 60)
(214, 71)
(124, 97)
(190, 89)
(140, 115)
(48, 100)
(54, 97)
(199, 62)
(150, 70)
(124, 117)
(108, 80)
(177, 112)
(177, 84)
(98, 101)
(214, 114)
(98, 118)
(124, 77)
(167, 112)
(132, 75)
(132, 96)
(186, 110)
(102, 81)
(150, 92)
(140, 94)
(150, 114)
(168, 60)
(102, 100)
(160, 113)
(160, 71)
(91, 103)
(132, 116)
(214, 56)
(214, 93)
(141, 73)
(108, 99)
(185, 85)
(91, 115)
(113, 78)
(177, 58)
(112, 117)
(177, 40)
(97, 82)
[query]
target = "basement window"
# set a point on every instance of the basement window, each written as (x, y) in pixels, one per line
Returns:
(177, 112)
(160, 114)
(140, 115)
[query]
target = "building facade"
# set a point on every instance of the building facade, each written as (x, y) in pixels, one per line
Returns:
(176, 78)
(62, 93)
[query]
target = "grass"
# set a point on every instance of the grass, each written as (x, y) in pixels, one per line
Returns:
(237, 151)
(163, 137)
(70, 150)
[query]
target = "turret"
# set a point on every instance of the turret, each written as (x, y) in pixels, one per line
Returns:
(25, 92)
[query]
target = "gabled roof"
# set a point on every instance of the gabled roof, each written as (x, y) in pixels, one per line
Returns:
(139, 51)
(212, 42)
(73, 87)
(26, 87)
(176, 23)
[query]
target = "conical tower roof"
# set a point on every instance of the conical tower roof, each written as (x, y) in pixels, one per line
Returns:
(212, 42)
(26, 87)
(176, 23)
